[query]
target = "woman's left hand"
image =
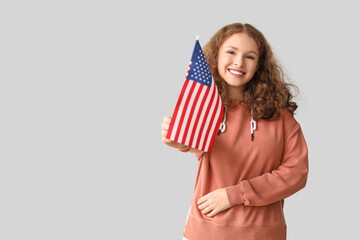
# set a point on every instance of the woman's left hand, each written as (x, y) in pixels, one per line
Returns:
(214, 202)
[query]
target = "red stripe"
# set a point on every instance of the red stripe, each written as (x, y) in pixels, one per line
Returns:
(204, 119)
(192, 112)
(217, 124)
(211, 122)
(173, 118)
(198, 116)
(183, 112)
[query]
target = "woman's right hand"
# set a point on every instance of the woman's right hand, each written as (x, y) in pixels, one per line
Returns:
(164, 130)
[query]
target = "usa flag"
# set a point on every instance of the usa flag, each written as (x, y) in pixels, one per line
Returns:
(199, 109)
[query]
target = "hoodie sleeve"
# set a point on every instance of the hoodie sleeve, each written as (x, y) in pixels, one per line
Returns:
(287, 179)
(198, 153)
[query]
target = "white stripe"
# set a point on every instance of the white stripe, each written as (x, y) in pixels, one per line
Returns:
(186, 118)
(207, 123)
(180, 110)
(212, 132)
(196, 113)
(201, 119)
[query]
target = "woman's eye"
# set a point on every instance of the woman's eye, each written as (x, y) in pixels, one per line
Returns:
(250, 57)
(231, 52)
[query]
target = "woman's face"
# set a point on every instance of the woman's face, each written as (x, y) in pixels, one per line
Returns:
(237, 61)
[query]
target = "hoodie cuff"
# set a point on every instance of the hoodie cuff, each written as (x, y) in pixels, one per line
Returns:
(235, 194)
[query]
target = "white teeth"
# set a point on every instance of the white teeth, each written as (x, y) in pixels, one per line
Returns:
(236, 72)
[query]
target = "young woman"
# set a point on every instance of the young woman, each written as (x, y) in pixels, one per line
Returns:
(261, 157)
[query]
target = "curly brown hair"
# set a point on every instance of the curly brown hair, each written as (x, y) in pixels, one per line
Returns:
(266, 93)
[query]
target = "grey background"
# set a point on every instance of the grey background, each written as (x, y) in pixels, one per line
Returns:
(84, 87)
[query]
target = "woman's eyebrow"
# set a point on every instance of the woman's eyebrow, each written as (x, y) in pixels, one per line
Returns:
(251, 51)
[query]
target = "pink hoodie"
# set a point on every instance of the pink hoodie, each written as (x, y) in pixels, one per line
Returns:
(257, 175)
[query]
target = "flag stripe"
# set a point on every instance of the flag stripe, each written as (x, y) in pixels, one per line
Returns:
(194, 105)
(217, 124)
(205, 117)
(181, 108)
(203, 112)
(214, 112)
(201, 106)
(173, 123)
(183, 112)
(196, 115)
(187, 116)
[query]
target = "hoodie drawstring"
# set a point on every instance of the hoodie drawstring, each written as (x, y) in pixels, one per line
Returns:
(252, 126)
(222, 127)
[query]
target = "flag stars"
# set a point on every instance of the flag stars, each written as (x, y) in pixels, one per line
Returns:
(199, 69)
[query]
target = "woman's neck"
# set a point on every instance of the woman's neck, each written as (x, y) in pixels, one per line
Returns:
(236, 94)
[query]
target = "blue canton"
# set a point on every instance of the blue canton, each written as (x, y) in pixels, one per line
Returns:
(199, 70)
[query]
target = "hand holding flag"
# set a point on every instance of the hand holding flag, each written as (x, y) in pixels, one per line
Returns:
(164, 130)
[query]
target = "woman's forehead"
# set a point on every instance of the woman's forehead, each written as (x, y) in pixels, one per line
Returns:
(240, 41)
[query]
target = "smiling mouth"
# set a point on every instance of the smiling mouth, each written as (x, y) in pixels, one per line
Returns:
(236, 72)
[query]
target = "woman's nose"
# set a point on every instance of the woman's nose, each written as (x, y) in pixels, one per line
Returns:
(238, 61)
